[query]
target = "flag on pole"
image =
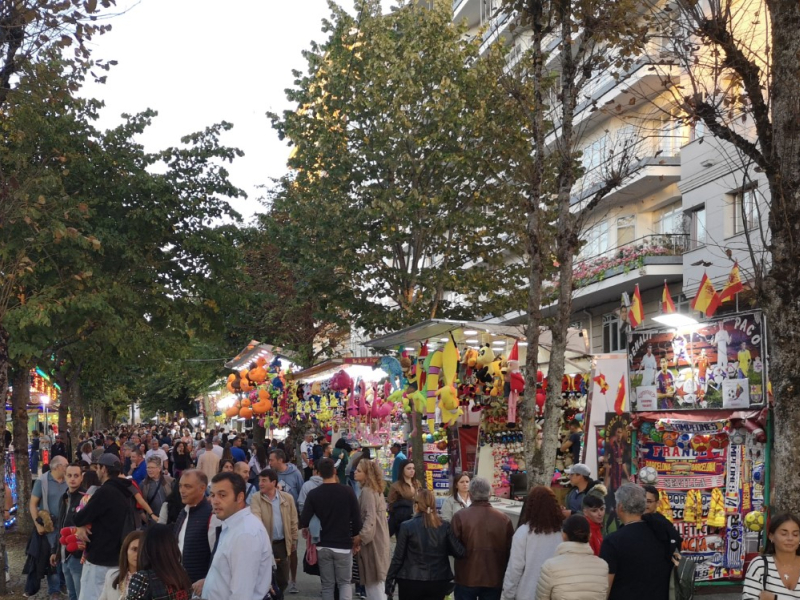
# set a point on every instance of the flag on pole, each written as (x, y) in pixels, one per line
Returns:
(733, 286)
(707, 299)
(636, 312)
(667, 305)
(600, 380)
(619, 402)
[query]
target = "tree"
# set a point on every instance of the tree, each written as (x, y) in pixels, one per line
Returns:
(590, 36)
(741, 80)
(389, 212)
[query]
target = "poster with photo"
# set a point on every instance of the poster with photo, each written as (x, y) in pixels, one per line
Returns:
(715, 364)
(616, 454)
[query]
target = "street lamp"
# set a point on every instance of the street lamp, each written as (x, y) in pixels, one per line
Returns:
(45, 401)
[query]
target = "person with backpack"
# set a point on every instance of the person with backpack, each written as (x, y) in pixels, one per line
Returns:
(103, 524)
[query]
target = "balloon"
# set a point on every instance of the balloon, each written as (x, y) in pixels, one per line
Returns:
(246, 413)
(232, 412)
(245, 402)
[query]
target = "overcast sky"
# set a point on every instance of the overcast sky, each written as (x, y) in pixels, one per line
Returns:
(198, 62)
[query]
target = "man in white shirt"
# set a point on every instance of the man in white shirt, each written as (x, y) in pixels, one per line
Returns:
(241, 564)
(306, 451)
(649, 367)
(216, 448)
(156, 451)
(722, 338)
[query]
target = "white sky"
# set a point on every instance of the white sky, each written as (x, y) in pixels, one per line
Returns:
(198, 62)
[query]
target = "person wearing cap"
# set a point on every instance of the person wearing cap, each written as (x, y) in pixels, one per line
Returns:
(580, 478)
(103, 523)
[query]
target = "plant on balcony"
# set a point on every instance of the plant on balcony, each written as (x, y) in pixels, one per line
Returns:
(628, 257)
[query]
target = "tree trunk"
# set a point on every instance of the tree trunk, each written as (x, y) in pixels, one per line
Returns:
(76, 413)
(417, 451)
(20, 397)
(780, 293)
(3, 395)
(259, 433)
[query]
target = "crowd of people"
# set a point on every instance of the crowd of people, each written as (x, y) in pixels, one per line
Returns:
(169, 516)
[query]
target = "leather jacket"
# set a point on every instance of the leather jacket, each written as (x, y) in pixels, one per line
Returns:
(421, 554)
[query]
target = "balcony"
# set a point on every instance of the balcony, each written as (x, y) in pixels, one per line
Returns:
(647, 261)
(655, 164)
(469, 10)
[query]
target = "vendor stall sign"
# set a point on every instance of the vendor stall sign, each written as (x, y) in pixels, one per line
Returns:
(719, 364)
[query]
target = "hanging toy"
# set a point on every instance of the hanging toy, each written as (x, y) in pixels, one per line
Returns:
(517, 383)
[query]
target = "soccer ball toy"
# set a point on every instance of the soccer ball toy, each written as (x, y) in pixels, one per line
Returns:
(754, 520)
(648, 475)
(700, 444)
(684, 440)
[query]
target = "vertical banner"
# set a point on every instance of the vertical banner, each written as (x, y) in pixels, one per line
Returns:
(468, 447)
(607, 371)
(617, 455)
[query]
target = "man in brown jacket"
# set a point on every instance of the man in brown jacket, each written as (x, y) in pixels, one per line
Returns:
(277, 512)
(486, 534)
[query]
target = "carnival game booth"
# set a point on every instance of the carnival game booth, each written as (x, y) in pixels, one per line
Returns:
(692, 419)
(462, 383)
(348, 398)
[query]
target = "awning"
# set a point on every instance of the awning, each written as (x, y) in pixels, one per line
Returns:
(255, 350)
(329, 367)
(474, 333)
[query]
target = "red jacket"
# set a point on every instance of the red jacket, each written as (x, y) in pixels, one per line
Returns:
(595, 537)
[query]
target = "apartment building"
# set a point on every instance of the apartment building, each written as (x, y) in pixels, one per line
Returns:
(677, 213)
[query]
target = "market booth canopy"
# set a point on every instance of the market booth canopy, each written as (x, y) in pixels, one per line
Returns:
(255, 350)
(474, 333)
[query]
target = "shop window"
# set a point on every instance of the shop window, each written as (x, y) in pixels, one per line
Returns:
(613, 335)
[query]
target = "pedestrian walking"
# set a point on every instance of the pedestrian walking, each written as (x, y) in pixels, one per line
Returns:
(534, 542)
(401, 496)
(160, 575)
(373, 553)
(459, 496)
(278, 514)
(486, 534)
(241, 566)
(639, 555)
(574, 573)
(115, 584)
(774, 575)
(420, 565)
(337, 509)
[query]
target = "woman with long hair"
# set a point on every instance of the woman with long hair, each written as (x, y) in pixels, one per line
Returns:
(401, 496)
(373, 553)
(258, 462)
(161, 575)
(117, 580)
(86, 452)
(420, 565)
(776, 573)
(459, 495)
(574, 573)
(227, 454)
(181, 459)
(226, 465)
(533, 543)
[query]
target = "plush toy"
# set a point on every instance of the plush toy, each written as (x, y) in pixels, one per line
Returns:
(433, 369)
(393, 368)
(469, 360)
(69, 540)
(485, 358)
(516, 383)
(341, 381)
(498, 380)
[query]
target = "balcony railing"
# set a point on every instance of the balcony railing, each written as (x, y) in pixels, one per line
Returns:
(628, 257)
(457, 3)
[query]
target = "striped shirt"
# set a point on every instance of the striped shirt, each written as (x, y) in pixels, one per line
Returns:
(754, 581)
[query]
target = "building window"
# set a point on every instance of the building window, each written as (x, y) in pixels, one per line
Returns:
(697, 228)
(626, 230)
(668, 219)
(596, 239)
(613, 335)
(745, 211)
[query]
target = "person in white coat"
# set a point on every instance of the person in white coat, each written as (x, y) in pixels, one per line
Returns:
(534, 542)
(574, 573)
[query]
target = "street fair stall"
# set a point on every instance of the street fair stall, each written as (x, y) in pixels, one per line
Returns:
(690, 418)
(462, 383)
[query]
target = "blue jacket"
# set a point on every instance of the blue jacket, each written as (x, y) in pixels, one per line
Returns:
(398, 458)
(291, 481)
(140, 473)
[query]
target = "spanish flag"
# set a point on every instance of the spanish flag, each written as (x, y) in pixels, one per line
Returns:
(600, 380)
(636, 312)
(619, 402)
(707, 300)
(667, 305)
(733, 286)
